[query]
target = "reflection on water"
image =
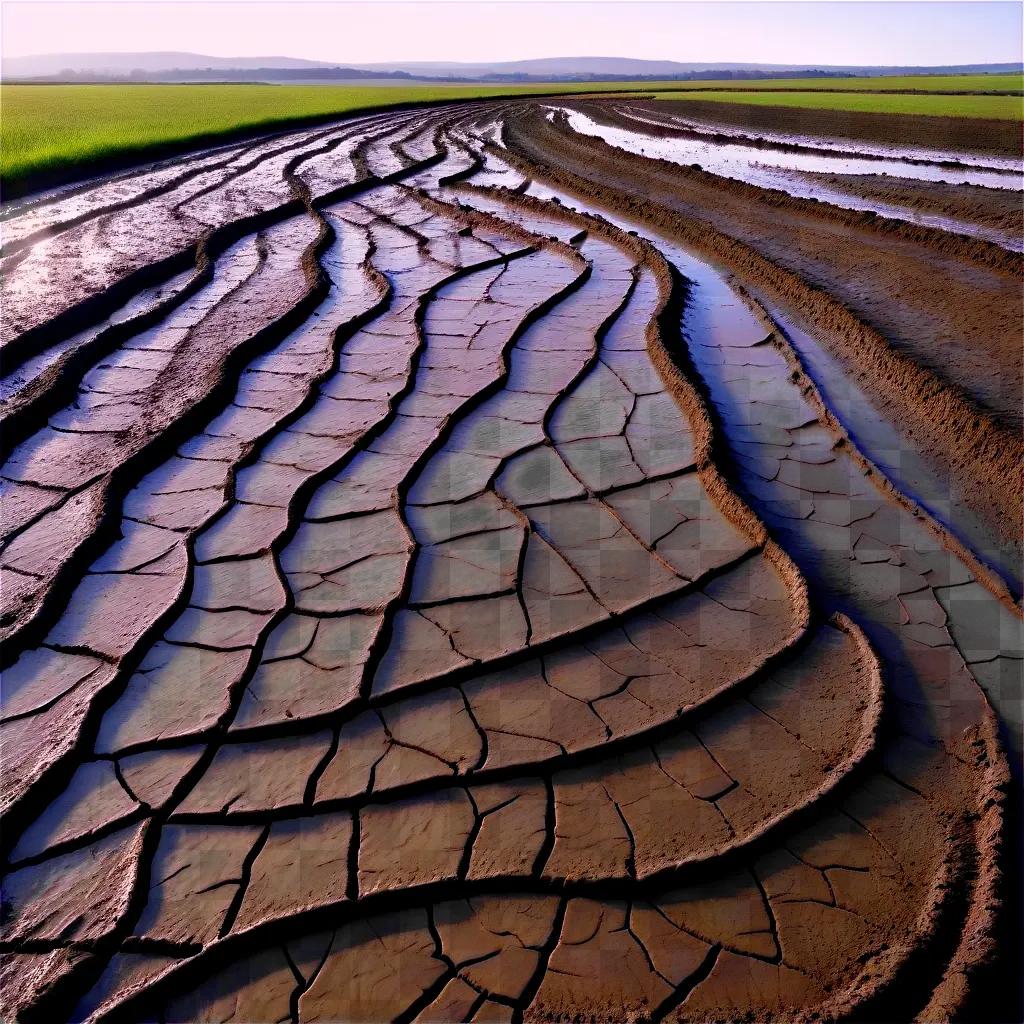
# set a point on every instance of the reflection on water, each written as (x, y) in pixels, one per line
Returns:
(860, 148)
(775, 168)
(722, 318)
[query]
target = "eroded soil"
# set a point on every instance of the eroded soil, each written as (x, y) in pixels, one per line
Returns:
(441, 584)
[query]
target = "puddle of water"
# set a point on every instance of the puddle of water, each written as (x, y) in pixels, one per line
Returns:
(883, 444)
(860, 147)
(767, 168)
(750, 388)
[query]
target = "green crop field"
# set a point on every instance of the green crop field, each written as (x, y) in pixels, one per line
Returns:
(1001, 108)
(47, 131)
(55, 132)
(900, 83)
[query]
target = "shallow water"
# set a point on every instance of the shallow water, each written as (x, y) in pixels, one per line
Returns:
(825, 512)
(769, 168)
(858, 148)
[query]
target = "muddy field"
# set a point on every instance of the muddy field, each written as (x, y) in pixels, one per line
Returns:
(467, 565)
(964, 134)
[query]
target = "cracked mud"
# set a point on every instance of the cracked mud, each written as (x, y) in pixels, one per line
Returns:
(439, 586)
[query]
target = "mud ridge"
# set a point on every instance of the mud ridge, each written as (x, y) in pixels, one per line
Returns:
(510, 629)
(653, 121)
(969, 437)
(972, 135)
(975, 250)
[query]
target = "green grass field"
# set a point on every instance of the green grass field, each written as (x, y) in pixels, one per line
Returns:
(1000, 108)
(46, 130)
(907, 83)
(50, 133)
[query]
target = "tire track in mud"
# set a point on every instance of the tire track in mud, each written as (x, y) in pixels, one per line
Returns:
(520, 608)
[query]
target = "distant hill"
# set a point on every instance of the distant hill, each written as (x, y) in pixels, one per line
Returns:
(174, 66)
(46, 64)
(571, 67)
(626, 67)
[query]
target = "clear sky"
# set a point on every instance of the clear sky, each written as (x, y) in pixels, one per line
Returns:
(810, 32)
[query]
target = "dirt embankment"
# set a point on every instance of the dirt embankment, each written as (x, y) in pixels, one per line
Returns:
(932, 334)
(963, 134)
(996, 208)
(650, 120)
(962, 247)
(992, 207)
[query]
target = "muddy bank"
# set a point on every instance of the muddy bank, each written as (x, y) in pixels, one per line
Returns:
(942, 350)
(941, 240)
(989, 207)
(966, 134)
(649, 119)
(790, 164)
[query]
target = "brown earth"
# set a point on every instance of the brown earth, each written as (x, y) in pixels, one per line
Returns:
(656, 120)
(990, 207)
(965, 134)
(425, 603)
(944, 348)
(995, 208)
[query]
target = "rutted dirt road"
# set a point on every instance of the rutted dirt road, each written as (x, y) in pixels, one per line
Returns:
(449, 576)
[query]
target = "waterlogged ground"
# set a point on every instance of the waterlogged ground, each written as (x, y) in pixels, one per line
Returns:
(435, 592)
(802, 170)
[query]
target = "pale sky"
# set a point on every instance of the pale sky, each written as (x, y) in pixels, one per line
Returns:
(811, 32)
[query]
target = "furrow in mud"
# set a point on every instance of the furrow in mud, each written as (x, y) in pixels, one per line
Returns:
(61, 440)
(967, 139)
(952, 429)
(145, 242)
(668, 124)
(934, 197)
(471, 604)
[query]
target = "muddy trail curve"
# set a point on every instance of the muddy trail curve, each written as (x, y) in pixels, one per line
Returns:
(456, 569)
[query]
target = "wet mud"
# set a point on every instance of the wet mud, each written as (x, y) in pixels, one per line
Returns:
(976, 197)
(919, 351)
(966, 134)
(439, 585)
(998, 209)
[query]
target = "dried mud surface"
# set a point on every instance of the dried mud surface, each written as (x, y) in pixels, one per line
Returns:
(431, 597)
